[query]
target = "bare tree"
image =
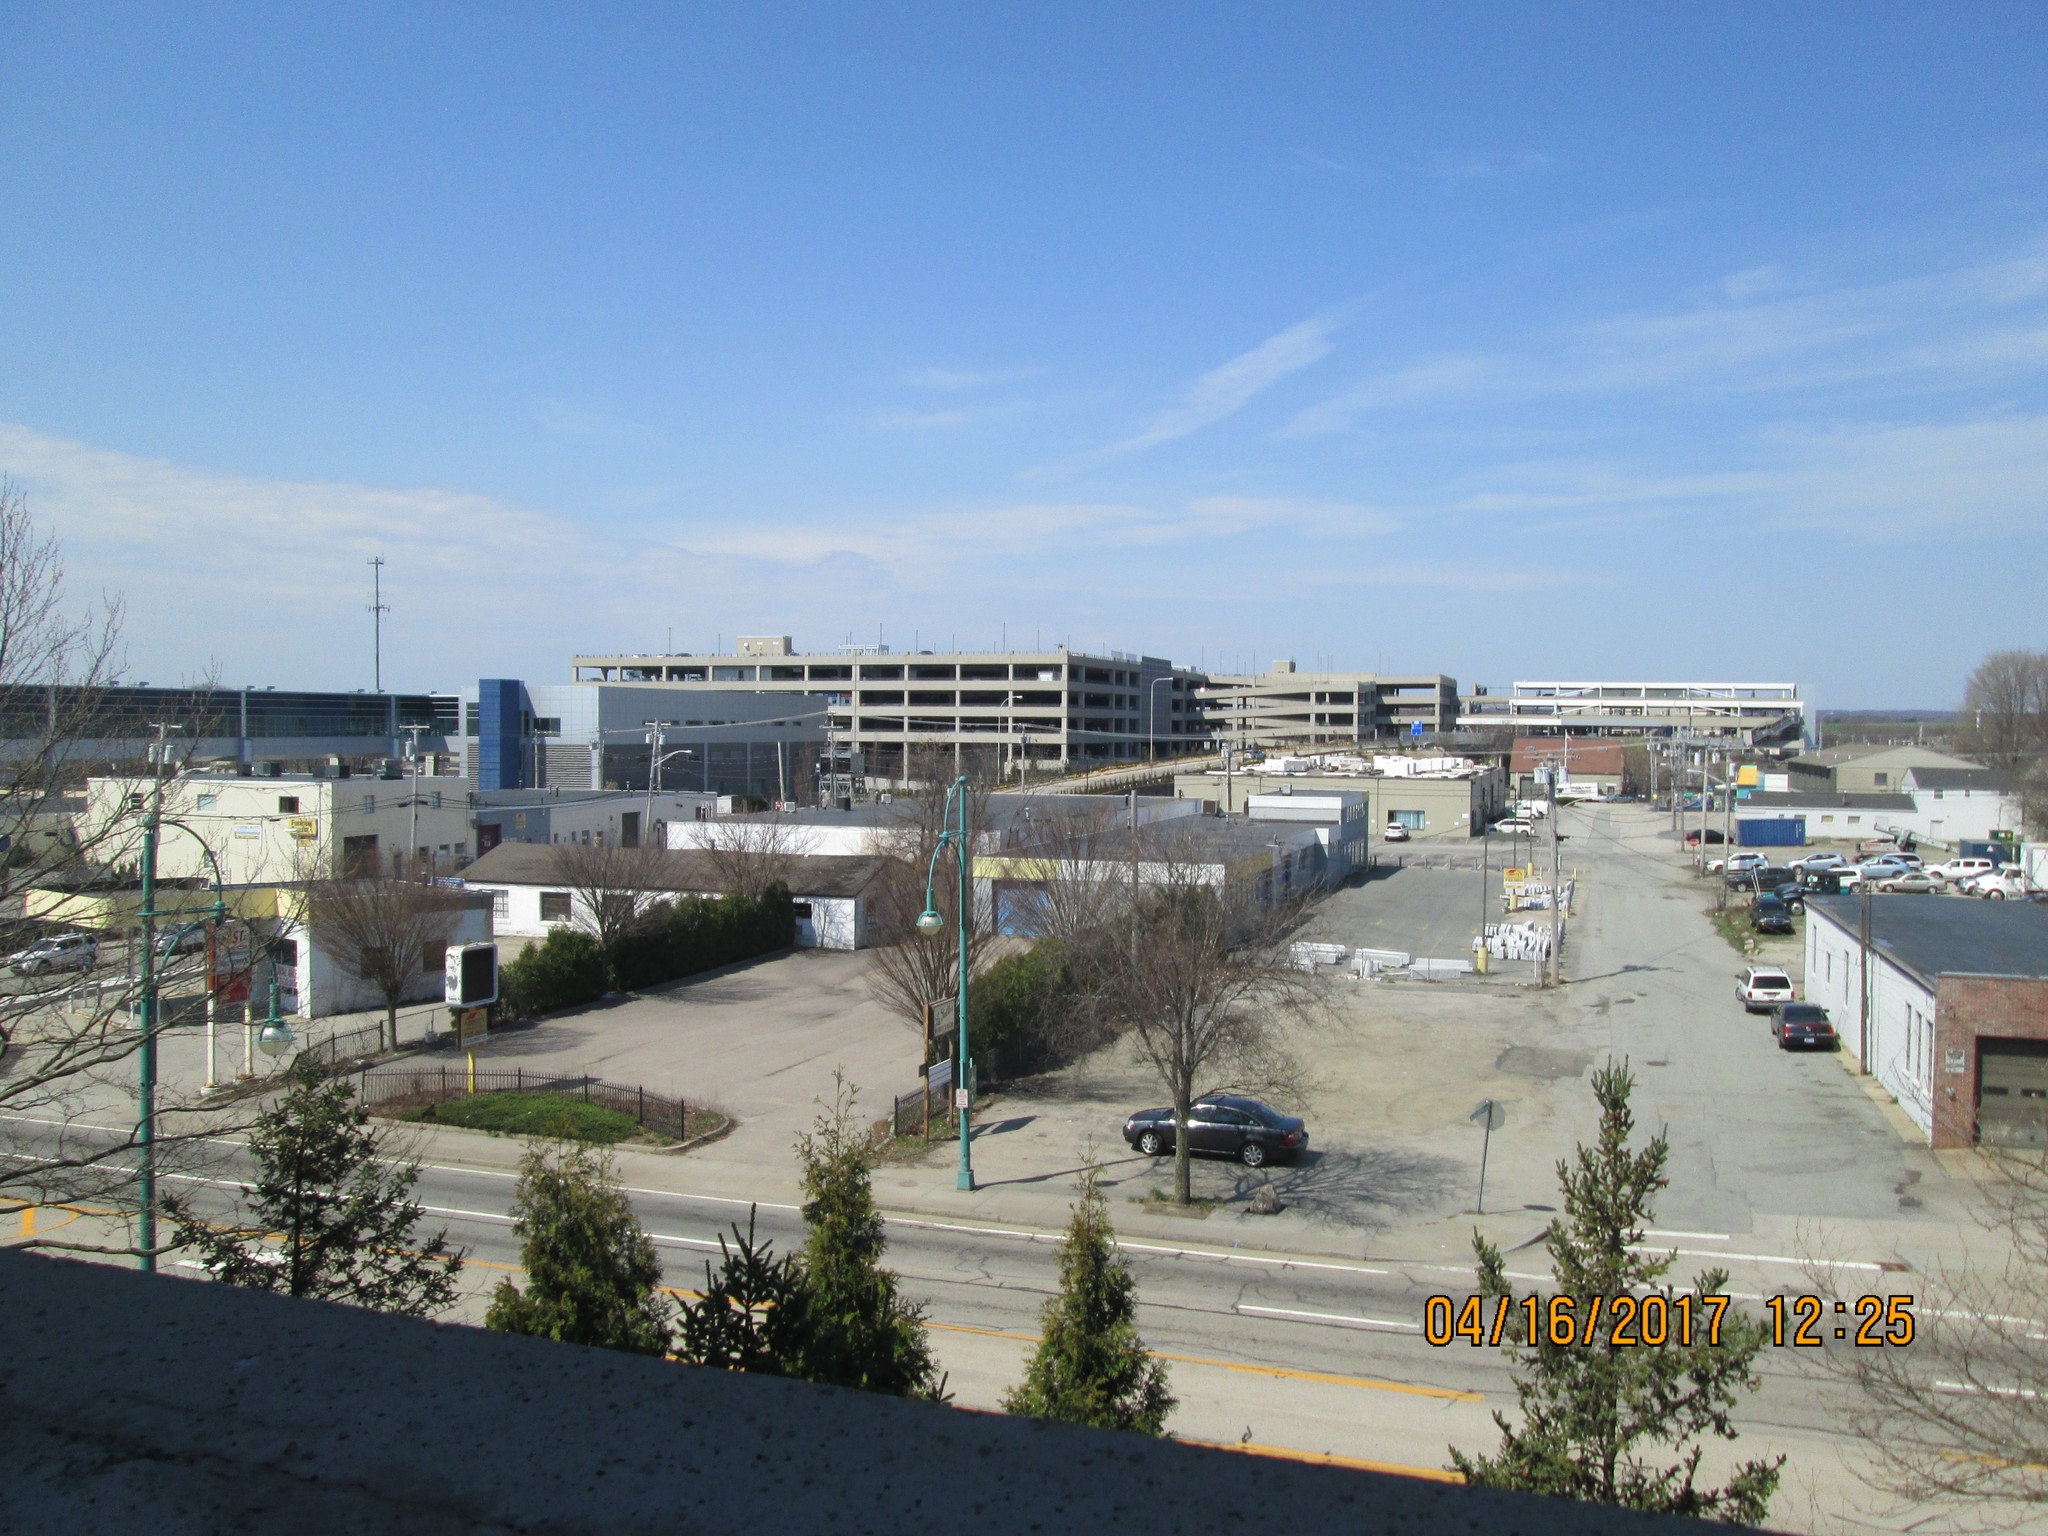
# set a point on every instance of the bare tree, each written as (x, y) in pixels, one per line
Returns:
(1953, 1402)
(70, 1041)
(610, 889)
(913, 972)
(749, 854)
(1208, 985)
(2005, 722)
(385, 933)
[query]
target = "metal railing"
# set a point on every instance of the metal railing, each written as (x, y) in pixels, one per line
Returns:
(406, 1086)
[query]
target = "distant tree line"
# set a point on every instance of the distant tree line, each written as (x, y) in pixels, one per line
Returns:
(2005, 724)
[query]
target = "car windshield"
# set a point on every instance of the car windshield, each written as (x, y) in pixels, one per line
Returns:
(1804, 1013)
(1770, 979)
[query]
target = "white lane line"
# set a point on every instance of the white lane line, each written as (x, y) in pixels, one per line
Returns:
(1762, 1258)
(2024, 1393)
(1332, 1317)
(502, 1219)
(1132, 1247)
(1703, 1237)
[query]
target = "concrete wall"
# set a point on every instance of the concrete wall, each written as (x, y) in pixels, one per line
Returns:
(321, 985)
(1447, 807)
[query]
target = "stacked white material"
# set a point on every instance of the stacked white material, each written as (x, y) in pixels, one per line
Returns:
(1532, 895)
(1309, 953)
(1386, 959)
(1516, 941)
(1430, 969)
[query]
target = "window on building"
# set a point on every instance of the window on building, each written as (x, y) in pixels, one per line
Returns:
(1412, 820)
(554, 906)
(359, 858)
(1880, 778)
(501, 904)
(208, 802)
(433, 957)
(369, 805)
(287, 805)
(801, 909)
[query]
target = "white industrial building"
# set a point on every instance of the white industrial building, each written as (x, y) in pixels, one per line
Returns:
(530, 899)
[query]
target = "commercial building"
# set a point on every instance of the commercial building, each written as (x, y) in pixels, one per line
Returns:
(1755, 714)
(1005, 821)
(529, 898)
(1008, 712)
(1868, 768)
(1946, 1004)
(610, 816)
(717, 741)
(289, 730)
(1584, 769)
(283, 827)
(1935, 807)
(1285, 709)
(1453, 798)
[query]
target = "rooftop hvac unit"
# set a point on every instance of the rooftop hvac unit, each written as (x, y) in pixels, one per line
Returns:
(270, 768)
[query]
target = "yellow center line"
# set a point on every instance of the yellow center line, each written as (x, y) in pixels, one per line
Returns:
(1280, 1372)
(1325, 1459)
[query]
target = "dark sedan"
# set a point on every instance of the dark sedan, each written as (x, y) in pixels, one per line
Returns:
(1222, 1125)
(1803, 1024)
(1767, 914)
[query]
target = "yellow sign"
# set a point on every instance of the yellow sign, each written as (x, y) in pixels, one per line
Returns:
(1746, 777)
(304, 828)
(472, 1025)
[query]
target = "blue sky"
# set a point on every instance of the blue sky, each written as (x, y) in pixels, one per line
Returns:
(1506, 341)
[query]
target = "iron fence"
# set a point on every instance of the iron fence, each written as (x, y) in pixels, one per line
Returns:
(403, 1087)
(345, 1047)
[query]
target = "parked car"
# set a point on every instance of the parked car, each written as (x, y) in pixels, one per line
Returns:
(1913, 880)
(1963, 869)
(1877, 845)
(1767, 914)
(58, 952)
(1692, 838)
(1395, 833)
(1972, 885)
(1741, 861)
(1514, 824)
(1825, 882)
(1763, 987)
(1818, 861)
(1803, 1024)
(1222, 1125)
(1875, 870)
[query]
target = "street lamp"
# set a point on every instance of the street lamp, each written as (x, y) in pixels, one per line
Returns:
(929, 922)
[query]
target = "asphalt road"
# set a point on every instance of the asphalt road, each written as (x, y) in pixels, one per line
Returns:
(1304, 1355)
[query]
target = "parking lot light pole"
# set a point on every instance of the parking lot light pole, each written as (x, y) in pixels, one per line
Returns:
(930, 921)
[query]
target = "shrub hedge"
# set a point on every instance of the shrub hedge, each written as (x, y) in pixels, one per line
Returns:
(676, 939)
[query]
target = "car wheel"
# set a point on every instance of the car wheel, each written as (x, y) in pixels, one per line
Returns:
(1252, 1154)
(1151, 1144)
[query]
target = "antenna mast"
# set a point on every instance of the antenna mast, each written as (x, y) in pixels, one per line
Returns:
(378, 608)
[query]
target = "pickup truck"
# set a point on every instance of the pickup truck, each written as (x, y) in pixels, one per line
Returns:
(2009, 884)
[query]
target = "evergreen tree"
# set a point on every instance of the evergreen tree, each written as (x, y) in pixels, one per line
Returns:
(862, 1332)
(591, 1271)
(1091, 1367)
(345, 1217)
(754, 1314)
(1588, 1409)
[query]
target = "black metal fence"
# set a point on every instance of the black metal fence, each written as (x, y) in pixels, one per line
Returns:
(345, 1048)
(403, 1087)
(915, 1112)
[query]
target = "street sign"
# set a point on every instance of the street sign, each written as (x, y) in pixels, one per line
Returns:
(938, 1077)
(472, 1025)
(960, 1099)
(469, 975)
(1489, 1114)
(1415, 729)
(1492, 1112)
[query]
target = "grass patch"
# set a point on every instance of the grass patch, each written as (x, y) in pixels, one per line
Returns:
(1733, 925)
(1161, 1203)
(512, 1113)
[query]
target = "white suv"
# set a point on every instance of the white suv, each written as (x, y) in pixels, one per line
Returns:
(1762, 988)
(59, 952)
(1962, 869)
(1819, 861)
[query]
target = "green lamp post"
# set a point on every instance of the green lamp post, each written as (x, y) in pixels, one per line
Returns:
(929, 921)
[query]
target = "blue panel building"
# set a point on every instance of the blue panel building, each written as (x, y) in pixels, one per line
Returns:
(504, 729)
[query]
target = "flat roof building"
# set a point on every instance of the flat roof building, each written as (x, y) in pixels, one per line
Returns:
(1754, 713)
(1010, 713)
(1284, 708)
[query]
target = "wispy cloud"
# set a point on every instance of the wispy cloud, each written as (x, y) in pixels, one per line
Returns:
(1456, 165)
(1230, 387)
(1944, 329)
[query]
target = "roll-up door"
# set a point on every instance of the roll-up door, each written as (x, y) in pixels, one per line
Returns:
(2012, 1093)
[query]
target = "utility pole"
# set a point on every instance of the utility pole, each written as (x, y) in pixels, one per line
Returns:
(1863, 984)
(378, 609)
(412, 752)
(1134, 875)
(654, 729)
(1556, 885)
